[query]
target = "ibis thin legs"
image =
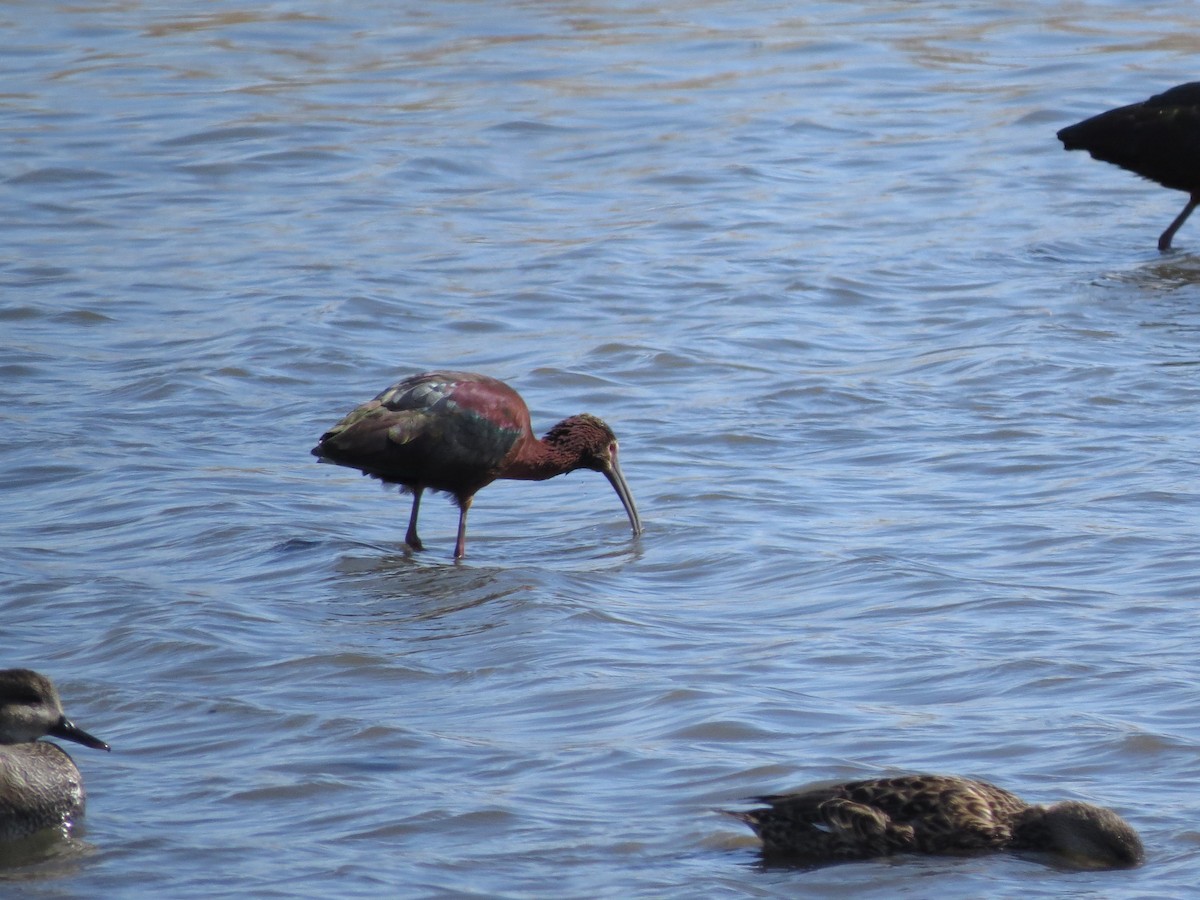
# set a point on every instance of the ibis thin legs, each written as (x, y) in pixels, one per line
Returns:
(414, 542)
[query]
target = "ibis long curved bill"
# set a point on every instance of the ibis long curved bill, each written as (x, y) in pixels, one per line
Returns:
(617, 479)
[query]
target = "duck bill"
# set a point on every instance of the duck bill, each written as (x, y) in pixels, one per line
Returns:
(68, 731)
(617, 480)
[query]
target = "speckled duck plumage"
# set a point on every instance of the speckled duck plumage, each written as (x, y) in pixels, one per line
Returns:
(935, 814)
(40, 786)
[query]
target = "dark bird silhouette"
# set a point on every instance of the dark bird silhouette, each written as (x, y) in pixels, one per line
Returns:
(458, 432)
(936, 814)
(1158, 139)
(40, 786)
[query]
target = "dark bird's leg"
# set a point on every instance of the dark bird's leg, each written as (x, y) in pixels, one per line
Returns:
(1164, 242)
(410, 537)
(460, 548)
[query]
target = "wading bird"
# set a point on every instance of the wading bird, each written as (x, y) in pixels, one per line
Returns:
(1158, 139)
(936, 814)
(40, 786)
(458, 432)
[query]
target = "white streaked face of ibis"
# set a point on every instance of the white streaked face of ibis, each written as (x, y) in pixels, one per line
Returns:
(592, 445)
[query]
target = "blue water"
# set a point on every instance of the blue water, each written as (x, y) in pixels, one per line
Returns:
(906, 396)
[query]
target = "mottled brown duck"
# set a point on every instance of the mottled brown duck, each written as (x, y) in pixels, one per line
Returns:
(935, 814)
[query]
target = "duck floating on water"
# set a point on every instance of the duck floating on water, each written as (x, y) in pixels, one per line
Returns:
(40, 786)
(935, 814)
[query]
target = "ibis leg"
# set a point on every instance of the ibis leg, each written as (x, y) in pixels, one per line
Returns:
(410, 537)
(460, 547)
(1164, 242)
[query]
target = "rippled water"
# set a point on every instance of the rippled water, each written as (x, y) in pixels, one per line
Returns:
(906, 395)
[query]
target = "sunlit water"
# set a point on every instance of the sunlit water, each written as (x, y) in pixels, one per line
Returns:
(906, 395)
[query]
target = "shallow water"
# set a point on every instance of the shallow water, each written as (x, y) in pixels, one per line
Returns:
(906, 396)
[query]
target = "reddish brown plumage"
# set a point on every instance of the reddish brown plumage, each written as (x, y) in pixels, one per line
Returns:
(458, 432)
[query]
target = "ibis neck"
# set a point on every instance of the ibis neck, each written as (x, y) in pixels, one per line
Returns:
(536, 461)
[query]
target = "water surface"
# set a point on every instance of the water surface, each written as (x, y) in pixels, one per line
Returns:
(906, 396)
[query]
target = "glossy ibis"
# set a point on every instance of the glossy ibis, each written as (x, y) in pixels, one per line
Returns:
(40, 786)
(1158, 139)
(935, 814)
(458, 432)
